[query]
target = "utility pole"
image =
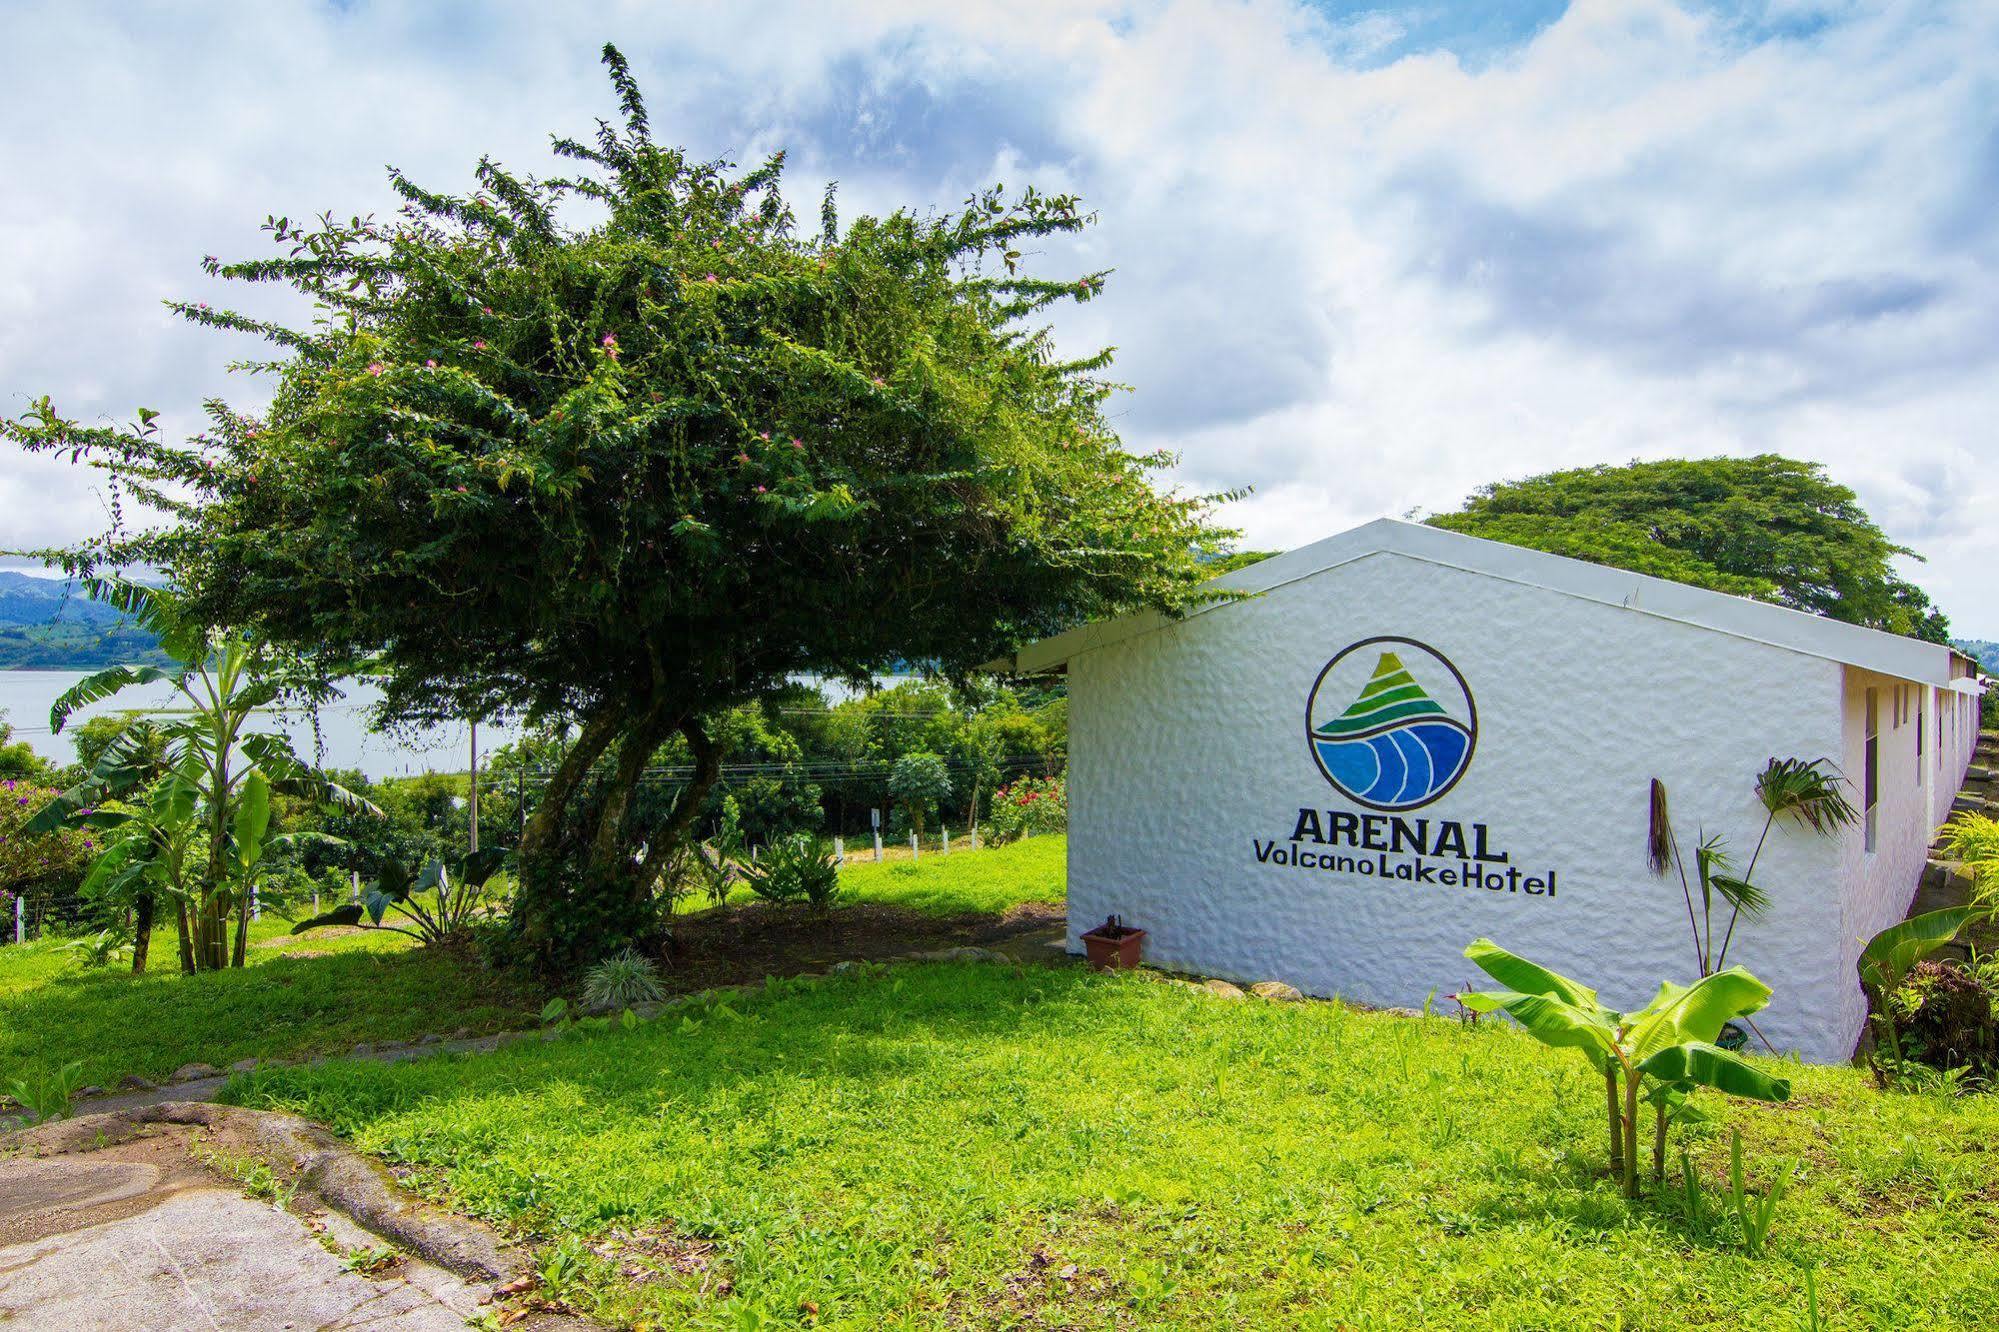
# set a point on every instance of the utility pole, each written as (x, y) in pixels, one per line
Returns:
(472, 802)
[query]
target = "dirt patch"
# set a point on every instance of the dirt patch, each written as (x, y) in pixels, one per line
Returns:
(736, 945)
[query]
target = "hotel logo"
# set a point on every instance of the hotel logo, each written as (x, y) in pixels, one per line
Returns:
(1391, 723)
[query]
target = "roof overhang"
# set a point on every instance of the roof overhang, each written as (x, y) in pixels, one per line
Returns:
(1639, 594)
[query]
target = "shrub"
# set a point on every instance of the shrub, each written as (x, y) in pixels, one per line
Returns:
(621, 980)
(1949, 1016)
(1029, 805)
(797, 868)
(1973, 839)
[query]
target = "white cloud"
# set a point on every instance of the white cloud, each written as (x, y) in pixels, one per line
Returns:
(1353, 269)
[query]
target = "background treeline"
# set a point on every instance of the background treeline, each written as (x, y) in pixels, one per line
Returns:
(797, 762)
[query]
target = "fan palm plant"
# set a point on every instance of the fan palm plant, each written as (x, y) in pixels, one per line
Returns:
(1810, 792)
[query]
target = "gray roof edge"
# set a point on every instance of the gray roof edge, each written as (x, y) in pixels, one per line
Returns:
(1739, 617)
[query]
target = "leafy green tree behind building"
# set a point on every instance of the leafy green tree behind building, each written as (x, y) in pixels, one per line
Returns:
(1768, 527)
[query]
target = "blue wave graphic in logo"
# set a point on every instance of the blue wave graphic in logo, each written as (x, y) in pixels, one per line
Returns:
(1394, 747)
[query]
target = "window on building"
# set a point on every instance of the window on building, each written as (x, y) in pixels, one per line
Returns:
(1870, 769)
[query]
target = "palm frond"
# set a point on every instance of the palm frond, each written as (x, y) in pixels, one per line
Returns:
(1812, 792)
(1659, 841)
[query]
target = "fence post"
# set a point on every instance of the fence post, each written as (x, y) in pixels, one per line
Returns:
(840, 849)
(20, 929)
(354, 877)
(975, 837)
(946, 834)
(256, 905)
(878, 846)
(915, 851)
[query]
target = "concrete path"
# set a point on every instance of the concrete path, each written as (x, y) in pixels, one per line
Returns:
(142, 1235)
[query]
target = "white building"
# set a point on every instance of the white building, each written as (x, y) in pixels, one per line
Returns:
(1408, 738)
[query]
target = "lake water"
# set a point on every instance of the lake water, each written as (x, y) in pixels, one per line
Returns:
(344, 738)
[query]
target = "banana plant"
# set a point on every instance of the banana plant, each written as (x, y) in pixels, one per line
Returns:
(434, 905)
(221, 680)
(1886, 961)
(1658, 1055)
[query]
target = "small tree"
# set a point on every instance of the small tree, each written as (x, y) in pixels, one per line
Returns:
(920, 781)
(216, 769)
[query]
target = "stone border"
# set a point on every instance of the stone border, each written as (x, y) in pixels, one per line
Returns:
(328, 1176)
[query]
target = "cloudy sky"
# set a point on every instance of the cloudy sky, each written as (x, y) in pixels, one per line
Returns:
(1367, 257)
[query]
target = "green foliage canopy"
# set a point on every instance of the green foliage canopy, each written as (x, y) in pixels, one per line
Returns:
(1767, 527)
(637, 468)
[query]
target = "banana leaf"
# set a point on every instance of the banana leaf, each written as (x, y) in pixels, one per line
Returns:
(1552, 1021)
(1699, 1064)
(1517, 973)
(1889, 954)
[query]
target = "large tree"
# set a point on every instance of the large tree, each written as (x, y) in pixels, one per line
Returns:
(1767, 527)
(626, 447)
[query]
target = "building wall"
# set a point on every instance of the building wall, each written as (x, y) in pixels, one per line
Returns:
(1915, 788)
(1188, 749)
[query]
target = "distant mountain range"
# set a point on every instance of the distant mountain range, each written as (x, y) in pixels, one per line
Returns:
(1985, 650)
(49, 624)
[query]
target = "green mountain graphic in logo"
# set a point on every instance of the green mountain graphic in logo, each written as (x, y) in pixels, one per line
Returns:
(1394, 747)
(1391, 696)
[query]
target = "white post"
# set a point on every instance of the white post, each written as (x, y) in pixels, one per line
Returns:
(878, 846)
(975, 837)
(354, 877)
(840, 850)
(315, 898)
(946, 834)
(256, 906)
(20, 927)
(915, 852)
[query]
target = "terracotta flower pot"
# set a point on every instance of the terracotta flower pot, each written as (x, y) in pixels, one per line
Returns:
(1113, 946)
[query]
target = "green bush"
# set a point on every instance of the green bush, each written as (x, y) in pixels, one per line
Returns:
(797, 868)
(1029, 805)
(1949, 1016)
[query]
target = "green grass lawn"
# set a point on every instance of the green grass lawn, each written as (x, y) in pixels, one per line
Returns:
(325, 992)
(987, 1146)
(992, 879)
(319, 994)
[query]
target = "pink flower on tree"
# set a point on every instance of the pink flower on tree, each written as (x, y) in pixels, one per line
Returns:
(430, 365)
(479, 345)
(375, 368)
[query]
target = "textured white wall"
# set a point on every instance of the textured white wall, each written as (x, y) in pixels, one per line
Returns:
(1188, 742)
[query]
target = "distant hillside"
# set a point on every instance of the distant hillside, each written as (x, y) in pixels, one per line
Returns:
(1985, 650)
(49, 624)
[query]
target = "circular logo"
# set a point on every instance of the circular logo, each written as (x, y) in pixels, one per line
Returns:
(1391, 723)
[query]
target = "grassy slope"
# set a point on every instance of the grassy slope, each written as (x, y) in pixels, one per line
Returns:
(348, 988)
(982, 1146)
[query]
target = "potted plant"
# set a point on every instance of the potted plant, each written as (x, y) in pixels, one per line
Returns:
(1113, 946)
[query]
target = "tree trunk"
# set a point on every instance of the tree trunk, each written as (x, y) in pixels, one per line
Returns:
(186, 937)
(142, 932)
(608, 845)
(1659, 1143)
(1616, 1119)
(1631, 1133)
(242, 930)
(666, 839)
(539, 833)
